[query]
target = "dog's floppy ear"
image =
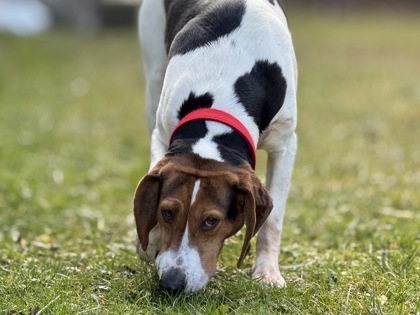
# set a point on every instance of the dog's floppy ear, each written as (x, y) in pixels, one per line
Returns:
(257, 205)
(146, 202)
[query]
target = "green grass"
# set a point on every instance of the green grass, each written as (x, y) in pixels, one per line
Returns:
(73, 144)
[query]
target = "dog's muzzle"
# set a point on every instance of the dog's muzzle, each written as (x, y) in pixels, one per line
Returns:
(173, 281)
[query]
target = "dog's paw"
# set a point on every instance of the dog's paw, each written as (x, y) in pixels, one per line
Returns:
(268, 275)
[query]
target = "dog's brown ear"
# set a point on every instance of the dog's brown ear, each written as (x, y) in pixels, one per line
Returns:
(263, 203)
(146, 201)
(257, 205)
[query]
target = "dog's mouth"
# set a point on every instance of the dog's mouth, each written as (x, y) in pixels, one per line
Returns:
(181, 272)
(176, 281)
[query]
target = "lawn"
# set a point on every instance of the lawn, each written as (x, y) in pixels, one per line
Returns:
(73, 145)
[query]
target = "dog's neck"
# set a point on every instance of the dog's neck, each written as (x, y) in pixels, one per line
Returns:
(211, 140)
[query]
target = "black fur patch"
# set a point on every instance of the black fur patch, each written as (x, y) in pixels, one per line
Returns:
(262, 92)
(186, 136)
(195, 102)
(233, 148)
(232, 211)
(179, 13)
(271, 1)
(195, 23)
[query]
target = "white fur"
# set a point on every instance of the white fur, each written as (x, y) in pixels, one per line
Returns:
(188, 260)
(195, 191)
(205, 147)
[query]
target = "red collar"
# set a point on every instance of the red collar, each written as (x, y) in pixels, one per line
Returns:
(224, 118)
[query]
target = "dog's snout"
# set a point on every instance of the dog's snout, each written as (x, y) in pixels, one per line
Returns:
(173, 281)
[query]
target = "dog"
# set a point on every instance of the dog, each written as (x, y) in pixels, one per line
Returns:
(221, 81)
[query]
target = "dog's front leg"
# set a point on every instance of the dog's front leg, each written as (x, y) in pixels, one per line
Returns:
(279, 172)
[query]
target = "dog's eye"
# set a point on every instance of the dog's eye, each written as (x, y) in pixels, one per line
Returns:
(210, 223)
(168, 216)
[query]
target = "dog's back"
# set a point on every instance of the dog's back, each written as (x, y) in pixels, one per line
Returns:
(231, 49)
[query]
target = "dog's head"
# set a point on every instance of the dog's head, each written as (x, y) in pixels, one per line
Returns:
(197, 203)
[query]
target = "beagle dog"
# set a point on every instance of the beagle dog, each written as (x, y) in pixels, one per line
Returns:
(221, 81)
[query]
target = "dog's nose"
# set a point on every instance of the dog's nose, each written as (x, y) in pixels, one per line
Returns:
(173, 281)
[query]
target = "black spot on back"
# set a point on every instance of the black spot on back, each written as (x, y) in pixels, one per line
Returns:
(271, 1)
(195, 23)
(262, 92)
(195, 102)
(178, 13)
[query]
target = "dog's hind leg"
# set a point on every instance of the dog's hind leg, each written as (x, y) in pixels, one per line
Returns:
(279, 171)
(152, 25)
